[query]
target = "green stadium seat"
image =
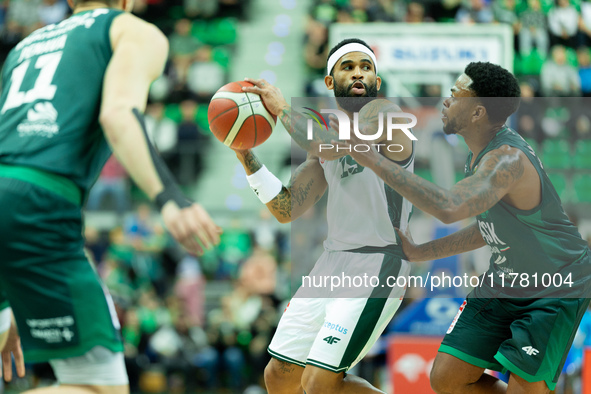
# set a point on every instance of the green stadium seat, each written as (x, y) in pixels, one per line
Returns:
(556, 154)
(199, 30)
(221, 56)
(559, 183)
(582, 157)
(582, 185)
(221, 32)
(532, 63)
(173, 112)
(571, 57)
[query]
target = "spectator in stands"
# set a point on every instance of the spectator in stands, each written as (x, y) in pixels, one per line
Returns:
(190, 290)
(316, 46)
(585, 70)
(477, 11)
(504, 12)
(204, 9)
(53, 11)
(563, 21)
(415, 13)
(162, 131)
(183, 48)
(585, 24)
(205, 76)
(23, 16)
(392, 10)
(192, 143)
(534, 30)
(324, 12)
(529, 115)
(558, 78)
(113, 181)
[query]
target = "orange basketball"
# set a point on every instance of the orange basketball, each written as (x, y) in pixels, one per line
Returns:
(238, 119)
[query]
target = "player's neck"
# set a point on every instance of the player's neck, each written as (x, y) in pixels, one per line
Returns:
(479, 139)
(91, 5)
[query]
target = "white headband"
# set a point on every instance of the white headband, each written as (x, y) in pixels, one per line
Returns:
(348, 48)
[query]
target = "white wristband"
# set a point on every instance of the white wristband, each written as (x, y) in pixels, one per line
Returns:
(5, 319)
(265, 185)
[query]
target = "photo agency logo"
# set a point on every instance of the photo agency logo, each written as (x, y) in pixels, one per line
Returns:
(392, 123)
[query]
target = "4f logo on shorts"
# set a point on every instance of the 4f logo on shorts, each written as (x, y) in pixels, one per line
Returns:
(331, 340)
(530, 351)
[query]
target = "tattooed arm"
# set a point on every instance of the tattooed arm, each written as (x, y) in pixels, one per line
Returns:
(465, 240)
(305, 188)
(498, 173)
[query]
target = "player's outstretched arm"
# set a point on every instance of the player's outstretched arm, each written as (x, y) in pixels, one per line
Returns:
(305, 188)
(498, 172)
(295, 122)
(465, 240)
(140, 51)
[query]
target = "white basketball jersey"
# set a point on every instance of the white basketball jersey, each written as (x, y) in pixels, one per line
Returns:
(362, 210)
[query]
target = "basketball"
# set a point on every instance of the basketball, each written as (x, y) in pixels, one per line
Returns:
(238, 119)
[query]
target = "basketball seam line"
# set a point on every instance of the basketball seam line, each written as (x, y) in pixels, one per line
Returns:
(254, 118)
(230, 109)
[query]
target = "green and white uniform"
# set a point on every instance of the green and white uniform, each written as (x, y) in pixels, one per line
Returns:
(334, 329)
(506, 324)
(51, 152)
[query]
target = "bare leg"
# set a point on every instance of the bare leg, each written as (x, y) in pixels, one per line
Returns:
(450, 375)
(518, 385)
(283, 378)
(321, 381)
(75, 389)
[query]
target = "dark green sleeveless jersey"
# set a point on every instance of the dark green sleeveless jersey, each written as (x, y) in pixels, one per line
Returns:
(51, 94)
(535, 253)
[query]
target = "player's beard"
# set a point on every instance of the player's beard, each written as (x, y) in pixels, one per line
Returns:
(350, 102)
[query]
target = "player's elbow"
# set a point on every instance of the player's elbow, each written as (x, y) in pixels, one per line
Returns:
(449, 216)
(112, 120)
(283, 219)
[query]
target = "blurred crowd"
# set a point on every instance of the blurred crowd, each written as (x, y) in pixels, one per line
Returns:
(180, 334)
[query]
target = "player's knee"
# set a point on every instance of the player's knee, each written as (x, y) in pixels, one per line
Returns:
(324, 382)
(439, 381)
(280, 375)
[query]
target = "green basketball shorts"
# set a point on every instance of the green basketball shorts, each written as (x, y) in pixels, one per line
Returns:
(528, 337)
(60, 305)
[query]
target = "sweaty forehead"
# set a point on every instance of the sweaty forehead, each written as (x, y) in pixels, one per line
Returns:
(355, 57)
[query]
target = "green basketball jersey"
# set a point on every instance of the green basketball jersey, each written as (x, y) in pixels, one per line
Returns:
(534, 252)
(51, 95)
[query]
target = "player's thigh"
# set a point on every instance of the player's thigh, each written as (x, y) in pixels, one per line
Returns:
(450, 371)
(297, 329)
(74, 389)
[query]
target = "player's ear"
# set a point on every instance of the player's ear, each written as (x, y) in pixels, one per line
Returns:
(329, 82)
(479, 113)
(71, 4)
(378, 82)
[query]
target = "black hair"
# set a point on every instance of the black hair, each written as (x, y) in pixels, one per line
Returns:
(491, 80)
(345, 42)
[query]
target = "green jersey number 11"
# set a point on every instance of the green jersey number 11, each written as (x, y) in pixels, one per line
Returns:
(42, 90)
